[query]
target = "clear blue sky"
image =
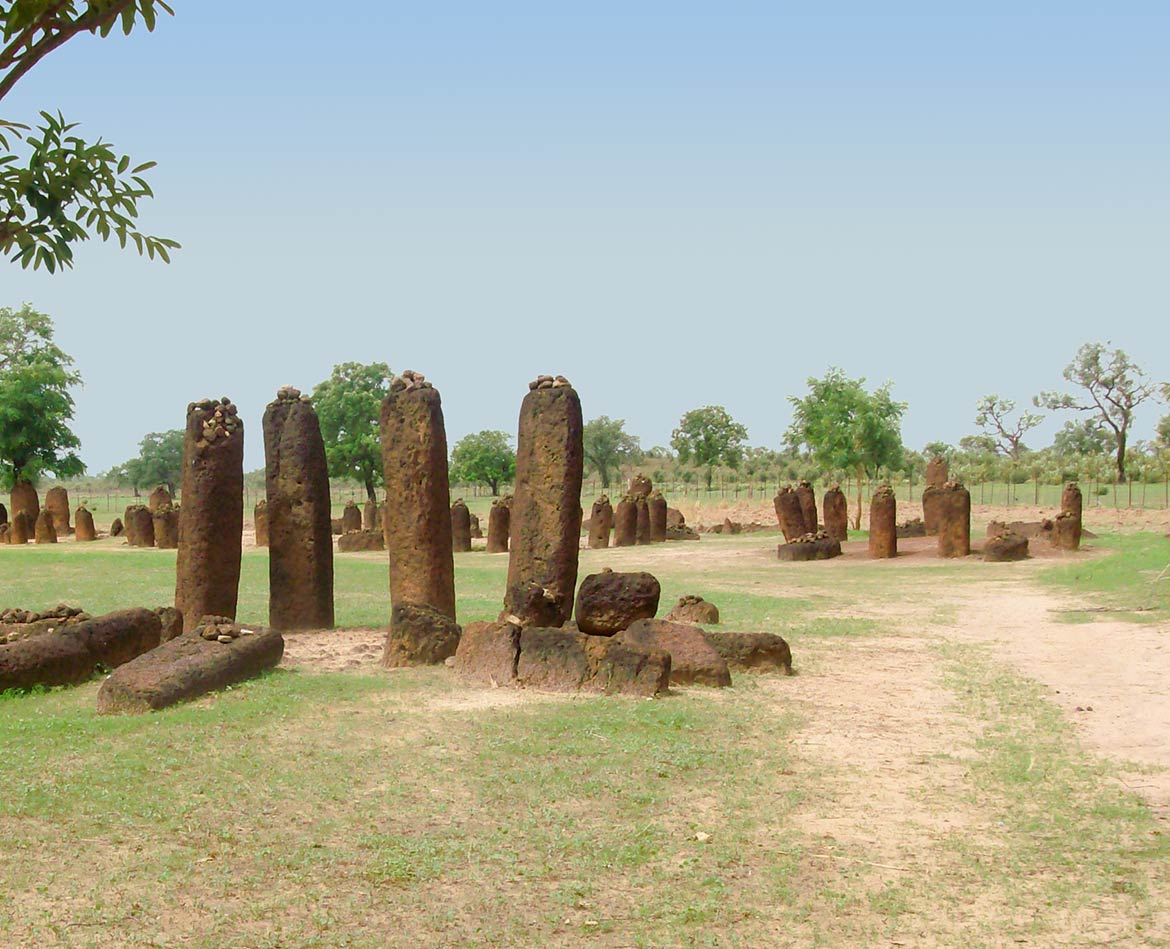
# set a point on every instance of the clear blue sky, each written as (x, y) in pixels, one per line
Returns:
(673, 204)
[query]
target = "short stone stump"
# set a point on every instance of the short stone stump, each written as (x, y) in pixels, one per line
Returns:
(693, 609)
(752, 652)
(817, 546)
(353, 541)
(1005, 548)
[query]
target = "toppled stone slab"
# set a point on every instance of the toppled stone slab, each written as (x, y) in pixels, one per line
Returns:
(71, 654)
(682, 532)
(562, 660)
(488, 653)
(752, 652)
(818, 546)
(217, 653)
(693, 609)
(419, 636)
(609, 602)
(361, 540)
(693, 660)
(1005, 547)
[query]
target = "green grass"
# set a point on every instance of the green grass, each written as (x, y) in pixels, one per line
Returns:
(1126, 576)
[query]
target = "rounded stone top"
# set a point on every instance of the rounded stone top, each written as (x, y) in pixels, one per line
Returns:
(409, 380)
(883, 488)
(548, 382)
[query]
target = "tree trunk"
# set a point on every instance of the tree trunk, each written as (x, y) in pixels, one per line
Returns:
(857, 516)
(371, 493)
(495, 486)
(1120, 457)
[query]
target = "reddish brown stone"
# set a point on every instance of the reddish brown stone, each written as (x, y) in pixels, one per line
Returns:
(937, 472)
(476, 530)
(71, 654)
(300, 541)
(139, 526)
(165, 522)
(642, 529)
(562, 660)
(808, 507)
(954, 520)
(57, 504)
(1072, 507)
(460, 526)
(693, 660)
(751, 652)
(44, 531)
(789, 514)
(158, 497)
(674, 518)
(417, 524)
(488, 654)
(20, 530)
(499, 525)
(189, 666)
(85, 530)
(211, 519)
(931, 508)
(836, 510)
(693, 609)
(818, 546)
(640, 486)
(883, 523)
(625, 523)
(24, 498)
(1005, 547)
(371, 519)
(117, 528)
(546, 510)
(657, 507)
(356, 541)
(1066, 531)
(172, 622)
(351, 518)
(609, 602)
(260, 522)
(600, 523)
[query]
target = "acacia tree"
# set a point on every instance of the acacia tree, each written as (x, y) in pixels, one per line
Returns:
(847, 428)
(349, 406)
(483, 458)
(1114, 387)
(607, 445)
(709, 436)
(35, 405)
(993, 415)
(64, 188)
(159, 461)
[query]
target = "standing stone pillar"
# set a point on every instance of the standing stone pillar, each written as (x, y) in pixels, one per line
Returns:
(300, 541)
(417, 525)
(85, 530)
(954, 520)
(836, 513)
(165, 523)
(351, 518)
(158, 497)
(640, 486)
(883, 523)
(460, 526)
(57, 504)
(370, 516)
(938, 471)
(211, 518)
(642, 528)
(139, 526)
(546, 512)
(808, 507)
(44, 532)
(789, 514)
(600, 523)
(657, 505)
(936, 477)
(21, 528)
(625, 522)
(476, 530)
(499, 525)
(24, 498)
(260, 522)
(1071, 513)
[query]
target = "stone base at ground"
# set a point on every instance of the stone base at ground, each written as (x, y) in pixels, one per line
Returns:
(817, 546)
(419, 636)
(693, 660)
(72, 654)
(210, 657)
(693, 609)
(488, 653)
(751, 652)
(1005, 547)
(361, 540)
(562, 660)
(608, 602)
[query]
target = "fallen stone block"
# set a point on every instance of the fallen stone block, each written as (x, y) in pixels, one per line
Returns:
(693, 660)
(817, 546)
(608, 602)
(562, 660)
(754, 652)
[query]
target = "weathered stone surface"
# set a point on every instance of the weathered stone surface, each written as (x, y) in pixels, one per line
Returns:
(371, 518)
(546, 510)
(24, 498)
(682, 533)
(609, 602)
(693, 660)
(139, 526)
(189, 666)
(656, 504)
(1066, 531)
(71, 654)
(674, 518)
(335, 527)
(351, 518)
(693, 609)
(356, 541)
(600, 523)
(642, 528)
(819, 546)
(808, 506)
(117, 528)
(751, 652)
(836, 510)
(883, 523)
(419, 635)
(44, 531)
(260, 522)
(937, 472)
(211, 519)
(20, 529)
(562, 660)
(640, 486)
(488, 654)
(789, 514)
(915, 527)
(57, 504)
(499, 525)
(730, 527)
(954, 520)
(172, 622)
(931, 513)
(460, 526)
(1072, 510)
(300, 540)
(17, 624)
(476, 530)
(84, 530)
(1005, 547)
(165, 521)
(625, 523)
(417, 524)
(158, 497)
(4, 533)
